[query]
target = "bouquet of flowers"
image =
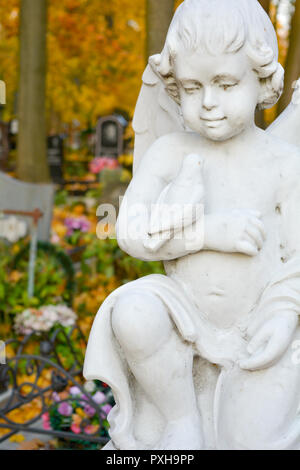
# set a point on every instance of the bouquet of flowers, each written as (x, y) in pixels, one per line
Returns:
(99, 163)
(72, 411)
(81, 224)
(44, 318)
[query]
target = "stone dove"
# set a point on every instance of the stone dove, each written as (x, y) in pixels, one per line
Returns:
(176, 205)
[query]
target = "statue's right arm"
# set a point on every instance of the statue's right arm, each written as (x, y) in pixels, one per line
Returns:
(157, 168)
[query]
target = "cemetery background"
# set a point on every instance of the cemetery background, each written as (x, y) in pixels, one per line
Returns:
(96, 54)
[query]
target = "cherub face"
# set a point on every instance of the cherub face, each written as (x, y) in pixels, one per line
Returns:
(218, 93)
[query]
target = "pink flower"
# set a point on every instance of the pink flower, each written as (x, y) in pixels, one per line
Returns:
(65, 409)
(99, 397)
(106, 409)
(77, 223)
(46, 421)
(45, 416)
(47, 426)
(91, 429)
(75, 428)
(99, 163)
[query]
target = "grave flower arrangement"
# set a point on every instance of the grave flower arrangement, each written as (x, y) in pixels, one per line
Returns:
(44, 319)
(100, 163)
(71, 411)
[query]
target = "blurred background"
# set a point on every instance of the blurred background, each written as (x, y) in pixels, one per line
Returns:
(72, 71)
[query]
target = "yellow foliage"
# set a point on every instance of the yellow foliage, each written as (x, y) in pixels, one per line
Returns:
(95, 57)
(17, 438)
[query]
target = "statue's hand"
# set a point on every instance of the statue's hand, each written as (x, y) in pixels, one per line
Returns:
(234, 231)
(270, 341)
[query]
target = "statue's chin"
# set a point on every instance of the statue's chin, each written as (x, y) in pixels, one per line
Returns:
(219, 135)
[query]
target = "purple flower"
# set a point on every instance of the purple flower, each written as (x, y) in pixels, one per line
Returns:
(75, 391)
(65, 409)
(77, 223)
(99, 398)
(105, 409)
(89, 410)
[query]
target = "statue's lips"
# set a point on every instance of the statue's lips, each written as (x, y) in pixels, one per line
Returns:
(213, 120)
(212, 123)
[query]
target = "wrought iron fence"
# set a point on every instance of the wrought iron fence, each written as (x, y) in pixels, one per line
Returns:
(20, 378)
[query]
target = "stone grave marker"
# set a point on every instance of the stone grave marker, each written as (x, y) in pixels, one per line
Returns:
(17, 195)
(4, 143)
(109, 136)
(55, 153)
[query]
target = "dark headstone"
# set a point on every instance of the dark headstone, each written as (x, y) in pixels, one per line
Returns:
(55, 152)
(109, 136)
(4, 144)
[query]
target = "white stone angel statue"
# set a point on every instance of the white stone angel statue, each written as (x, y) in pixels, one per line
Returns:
(203, 357)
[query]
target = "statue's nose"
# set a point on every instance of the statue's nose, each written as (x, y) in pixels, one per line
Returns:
(208, 99)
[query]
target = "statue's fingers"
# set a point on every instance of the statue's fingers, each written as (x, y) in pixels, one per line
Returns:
(253, 327)
(262, 360)
(255, 222)
(258, 340)
(247, 247)
(256, 235)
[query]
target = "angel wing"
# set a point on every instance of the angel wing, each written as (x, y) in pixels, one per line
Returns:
(287, 125)
(156, 114)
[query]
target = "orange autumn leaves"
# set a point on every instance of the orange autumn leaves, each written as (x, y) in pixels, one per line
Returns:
(95, 57)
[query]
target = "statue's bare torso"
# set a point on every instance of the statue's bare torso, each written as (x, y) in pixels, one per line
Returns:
(226, 286)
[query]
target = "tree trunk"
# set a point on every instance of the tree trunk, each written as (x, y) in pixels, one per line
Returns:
(259, 115)
(32, 163)
(158, 18)
(265, 4)
(292, 69)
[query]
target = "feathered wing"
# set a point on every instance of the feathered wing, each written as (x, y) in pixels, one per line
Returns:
(287, 125)
(156, 114)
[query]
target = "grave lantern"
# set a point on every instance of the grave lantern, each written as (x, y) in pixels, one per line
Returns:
(110, 135)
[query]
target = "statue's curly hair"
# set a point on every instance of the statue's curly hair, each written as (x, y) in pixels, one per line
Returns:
(223, 26)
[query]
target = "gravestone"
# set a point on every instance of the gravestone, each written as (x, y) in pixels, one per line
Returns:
(4, 143)
(17, 195)
(55, 154)
(13, 133)
(109, 136)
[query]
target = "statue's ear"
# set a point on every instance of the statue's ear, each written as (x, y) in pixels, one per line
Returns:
(162, 66)
(271, 88)
(162, 63)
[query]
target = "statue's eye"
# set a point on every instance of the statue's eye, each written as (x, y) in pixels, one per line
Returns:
(192, 90)
(227, 86)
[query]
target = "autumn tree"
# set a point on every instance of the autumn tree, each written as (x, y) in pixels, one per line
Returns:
(95, 58)
(292, 68)
(158, 18)
(265, 4)
(32, 159)
(259, 115)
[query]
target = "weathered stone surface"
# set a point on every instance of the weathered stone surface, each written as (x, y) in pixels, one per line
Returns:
(207, 357)
(17, 195)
